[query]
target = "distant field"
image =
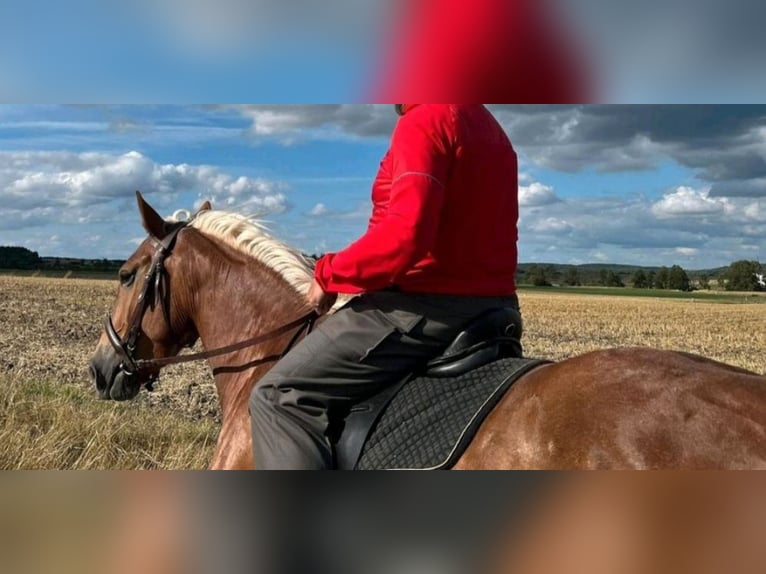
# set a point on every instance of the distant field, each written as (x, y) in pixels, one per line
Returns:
(49, 418)
(58, 274)
(561, 325)
(712, 296)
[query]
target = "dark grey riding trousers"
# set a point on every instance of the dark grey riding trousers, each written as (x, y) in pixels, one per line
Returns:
(299, 407)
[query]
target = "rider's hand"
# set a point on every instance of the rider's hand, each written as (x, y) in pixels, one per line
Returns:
(320, 300)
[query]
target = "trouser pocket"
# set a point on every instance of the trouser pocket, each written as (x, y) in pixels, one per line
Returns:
(393, 308)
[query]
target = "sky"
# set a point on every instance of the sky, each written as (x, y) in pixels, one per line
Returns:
(646, 185)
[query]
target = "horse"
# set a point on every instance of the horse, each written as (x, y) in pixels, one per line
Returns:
(222, 279)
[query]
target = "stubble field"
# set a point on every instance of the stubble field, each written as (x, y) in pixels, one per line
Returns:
(50, 417)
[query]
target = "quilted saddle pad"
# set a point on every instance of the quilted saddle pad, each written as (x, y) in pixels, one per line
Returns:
(430, 423)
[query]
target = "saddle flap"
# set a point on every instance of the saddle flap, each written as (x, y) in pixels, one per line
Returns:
(493, 324)
(493, 335)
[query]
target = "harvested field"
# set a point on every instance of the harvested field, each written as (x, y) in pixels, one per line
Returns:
(561, 326)
(49, 418)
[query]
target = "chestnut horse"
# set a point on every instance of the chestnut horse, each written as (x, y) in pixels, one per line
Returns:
(222, 279)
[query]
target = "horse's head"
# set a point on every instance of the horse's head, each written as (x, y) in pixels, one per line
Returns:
(146, 322)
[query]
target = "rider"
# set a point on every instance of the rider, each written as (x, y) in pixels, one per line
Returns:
(440, 250)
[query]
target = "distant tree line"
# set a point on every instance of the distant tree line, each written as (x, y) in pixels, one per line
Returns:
(67, 264)
(744, 276)
(19, 258)
(674, 278)
(23, 259)
(740, 276)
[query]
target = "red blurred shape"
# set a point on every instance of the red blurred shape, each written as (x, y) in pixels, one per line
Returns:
(482, 50)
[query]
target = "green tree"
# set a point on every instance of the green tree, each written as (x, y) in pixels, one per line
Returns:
(678, 280)
(614, 280)
(552, 274)
(537, 277)
(640, 281)
(19, 258)
(651, 280)
(704, 282)
(662, 278)
(741, 276)
(572, 277)
(603, 278)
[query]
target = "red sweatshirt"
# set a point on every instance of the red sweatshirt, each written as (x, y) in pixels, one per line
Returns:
(445, 210)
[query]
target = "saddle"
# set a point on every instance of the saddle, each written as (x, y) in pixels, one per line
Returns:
(493, 335)
(490, 338)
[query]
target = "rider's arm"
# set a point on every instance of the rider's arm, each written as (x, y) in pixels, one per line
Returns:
(421, 150)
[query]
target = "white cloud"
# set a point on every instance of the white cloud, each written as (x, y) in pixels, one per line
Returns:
(360, 212)
(323, 121)
(524, 177)
(551, 225)
(755, 212)
(600, 256)
(686, 225)
(319, 210)
(41, 187)
(536, 194)
(686, 201)
(269, 122)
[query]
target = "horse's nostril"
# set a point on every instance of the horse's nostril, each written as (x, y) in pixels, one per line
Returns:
(98, 381)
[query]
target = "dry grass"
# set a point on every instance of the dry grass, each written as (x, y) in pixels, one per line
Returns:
(49, 418)
(561, 326)
(51, 426)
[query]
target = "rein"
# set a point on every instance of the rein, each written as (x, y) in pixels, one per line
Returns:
(156, 279)
(304, 325)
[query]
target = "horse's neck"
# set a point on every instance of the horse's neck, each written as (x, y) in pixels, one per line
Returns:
(235, 301)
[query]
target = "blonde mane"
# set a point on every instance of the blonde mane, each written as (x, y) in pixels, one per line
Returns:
(252, 238)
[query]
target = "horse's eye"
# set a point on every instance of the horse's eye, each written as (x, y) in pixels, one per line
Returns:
(127, 278)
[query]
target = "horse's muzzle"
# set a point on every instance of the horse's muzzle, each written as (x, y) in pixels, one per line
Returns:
(109, 379)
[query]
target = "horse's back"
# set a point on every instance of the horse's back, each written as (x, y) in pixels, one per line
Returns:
(627, 408)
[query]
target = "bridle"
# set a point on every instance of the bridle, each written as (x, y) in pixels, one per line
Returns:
(155, 290)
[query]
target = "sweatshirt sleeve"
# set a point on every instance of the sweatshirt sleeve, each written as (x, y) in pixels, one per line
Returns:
(421, 150)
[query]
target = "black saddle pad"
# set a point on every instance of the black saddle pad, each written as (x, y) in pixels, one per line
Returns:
(430, 422)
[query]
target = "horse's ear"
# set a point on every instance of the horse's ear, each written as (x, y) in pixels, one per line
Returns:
(150, 219)
(207, 206)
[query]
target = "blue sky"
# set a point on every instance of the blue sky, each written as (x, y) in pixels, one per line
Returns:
(643, 185)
